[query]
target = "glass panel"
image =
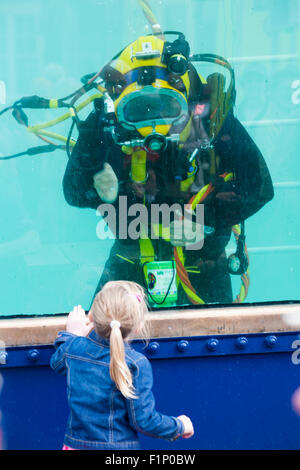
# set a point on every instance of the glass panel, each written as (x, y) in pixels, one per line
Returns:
(187, 203)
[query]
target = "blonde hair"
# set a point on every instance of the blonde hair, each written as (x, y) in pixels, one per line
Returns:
(118, 312)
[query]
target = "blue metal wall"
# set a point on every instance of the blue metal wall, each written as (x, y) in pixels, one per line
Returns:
(236, 392)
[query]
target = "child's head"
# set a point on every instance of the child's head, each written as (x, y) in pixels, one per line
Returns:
(123, 301)
(118, 311)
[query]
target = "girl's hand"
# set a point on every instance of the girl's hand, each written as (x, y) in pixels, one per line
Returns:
(78, 322)
(187, 425)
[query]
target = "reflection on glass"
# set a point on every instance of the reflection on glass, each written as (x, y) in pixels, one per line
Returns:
(177, 181)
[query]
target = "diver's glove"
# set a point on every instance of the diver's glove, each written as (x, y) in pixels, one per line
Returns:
(187, 233)
(106, 184)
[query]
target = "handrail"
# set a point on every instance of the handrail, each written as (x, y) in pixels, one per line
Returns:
(171, 323)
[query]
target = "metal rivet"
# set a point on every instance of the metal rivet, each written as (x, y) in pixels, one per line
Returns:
(153, 347)
(212, 344)
(182, 345)
(33, 355)
(270, 341)
(241, 342)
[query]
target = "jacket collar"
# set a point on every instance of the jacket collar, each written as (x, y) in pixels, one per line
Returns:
(98, 339)
(103, 341)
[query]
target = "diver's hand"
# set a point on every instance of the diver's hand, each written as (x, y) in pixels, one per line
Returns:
(186, 233)
(78, 322)
(106, 184)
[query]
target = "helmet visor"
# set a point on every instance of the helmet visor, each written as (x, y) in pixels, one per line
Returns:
(151, 106)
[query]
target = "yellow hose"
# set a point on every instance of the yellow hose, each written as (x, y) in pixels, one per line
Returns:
(61, 138)
(65, 116)
(155, 26)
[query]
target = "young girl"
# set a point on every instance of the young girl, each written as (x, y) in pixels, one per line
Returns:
(109, 383)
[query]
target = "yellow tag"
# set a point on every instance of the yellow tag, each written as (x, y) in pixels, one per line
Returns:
(53, 103)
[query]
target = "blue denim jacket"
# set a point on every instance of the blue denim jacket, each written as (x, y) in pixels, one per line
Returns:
(100, 417)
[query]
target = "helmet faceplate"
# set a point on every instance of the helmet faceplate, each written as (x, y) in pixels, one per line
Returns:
(149, 98)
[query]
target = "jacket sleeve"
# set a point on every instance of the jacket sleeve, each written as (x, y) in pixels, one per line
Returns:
(85, 161)
(142, 413)
(61, 345)
(251, 188)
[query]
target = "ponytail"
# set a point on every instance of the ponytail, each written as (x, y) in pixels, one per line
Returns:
(118, 369)
(118, 312)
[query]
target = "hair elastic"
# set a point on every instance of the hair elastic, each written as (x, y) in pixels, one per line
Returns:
(115, 323)
(137, 296)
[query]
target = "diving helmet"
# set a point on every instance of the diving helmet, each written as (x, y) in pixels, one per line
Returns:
(149, 84)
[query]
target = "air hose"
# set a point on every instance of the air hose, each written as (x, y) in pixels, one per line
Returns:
(179, 255)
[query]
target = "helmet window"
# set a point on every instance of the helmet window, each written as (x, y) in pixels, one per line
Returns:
(146, 107)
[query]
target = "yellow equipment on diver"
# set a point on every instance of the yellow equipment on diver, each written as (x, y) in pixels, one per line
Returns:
(150, 89)
(179, 268)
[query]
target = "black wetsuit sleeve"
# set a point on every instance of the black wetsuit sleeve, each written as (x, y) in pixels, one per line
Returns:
(251, 188)
(86, 160)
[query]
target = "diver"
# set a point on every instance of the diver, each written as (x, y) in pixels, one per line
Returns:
(162, 134)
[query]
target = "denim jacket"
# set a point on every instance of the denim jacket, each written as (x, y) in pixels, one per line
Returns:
(100, 416)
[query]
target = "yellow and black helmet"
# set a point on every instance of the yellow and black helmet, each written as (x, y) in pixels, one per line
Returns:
(151, 85)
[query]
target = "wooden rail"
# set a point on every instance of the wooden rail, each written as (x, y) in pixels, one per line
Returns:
(171, 323)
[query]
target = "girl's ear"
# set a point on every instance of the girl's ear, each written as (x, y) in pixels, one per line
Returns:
(90, 316)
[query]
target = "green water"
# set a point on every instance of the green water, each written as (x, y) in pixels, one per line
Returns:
(50, 255)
